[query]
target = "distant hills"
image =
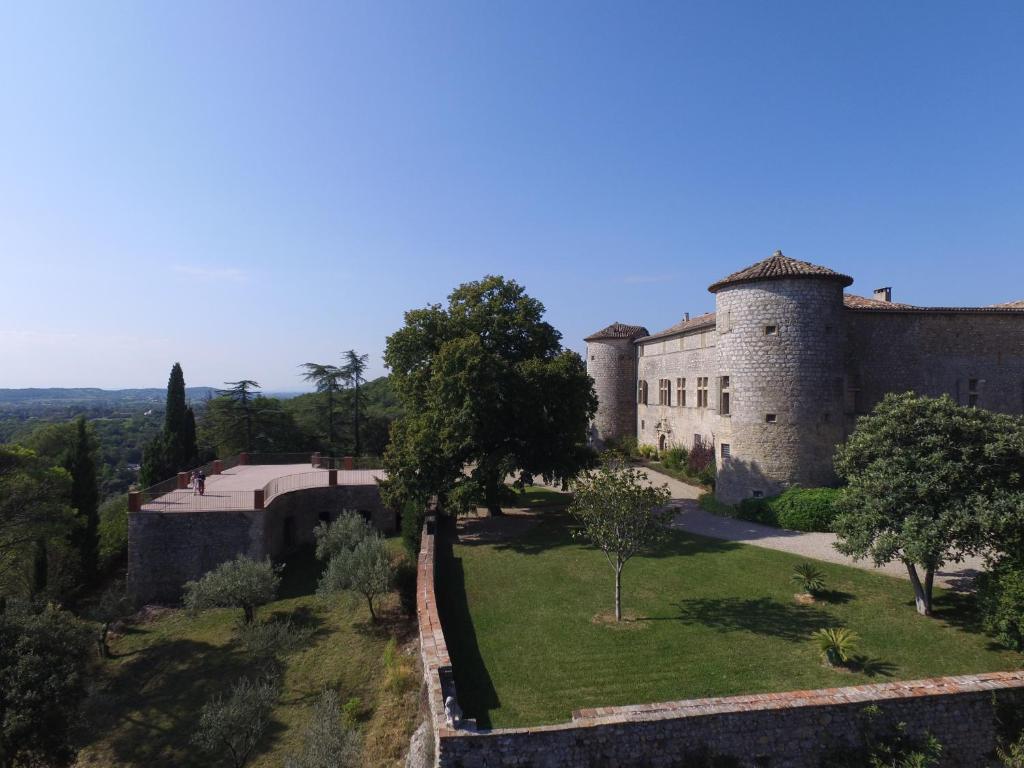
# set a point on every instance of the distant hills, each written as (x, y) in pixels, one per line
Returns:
(94, 395)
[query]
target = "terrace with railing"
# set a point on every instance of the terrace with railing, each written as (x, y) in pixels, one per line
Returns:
(251, 481)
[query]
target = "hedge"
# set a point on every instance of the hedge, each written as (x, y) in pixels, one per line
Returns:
(798, 509)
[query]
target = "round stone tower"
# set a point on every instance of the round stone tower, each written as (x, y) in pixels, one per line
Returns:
(611, 363)
(781, 344)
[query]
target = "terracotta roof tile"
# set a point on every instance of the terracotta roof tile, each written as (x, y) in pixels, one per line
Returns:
(779, 267)
(861, 302)
(618, 331)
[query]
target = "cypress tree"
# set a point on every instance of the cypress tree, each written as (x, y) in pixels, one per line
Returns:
(175, 417)
(189, 439)
(85, 500)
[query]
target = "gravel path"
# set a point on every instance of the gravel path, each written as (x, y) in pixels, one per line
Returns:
(693, 519)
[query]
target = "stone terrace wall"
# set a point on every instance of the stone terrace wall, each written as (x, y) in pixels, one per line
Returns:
(166, 549)
(779, 730)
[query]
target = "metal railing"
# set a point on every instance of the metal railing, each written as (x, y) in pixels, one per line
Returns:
(318, 478)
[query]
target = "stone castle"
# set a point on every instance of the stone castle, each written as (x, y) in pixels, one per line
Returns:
(774, 379)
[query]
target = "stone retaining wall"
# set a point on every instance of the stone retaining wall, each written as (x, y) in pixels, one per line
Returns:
(778, 730)
(166, 549)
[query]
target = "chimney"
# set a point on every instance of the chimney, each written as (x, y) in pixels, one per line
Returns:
(686, 315)
(883, 294)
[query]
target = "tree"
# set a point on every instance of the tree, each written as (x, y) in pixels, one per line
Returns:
(264, 426)
(85, 500)
(231, 726)
(327, 379)
(43, 664)
(328, 741)
(240, 583)
(487, 390)
(33, 510)
(621, 514)
(352, 371)
(366, 570)
(241, 395)
(928, 482)
(174, 449)
(341, 535)
(113, 605)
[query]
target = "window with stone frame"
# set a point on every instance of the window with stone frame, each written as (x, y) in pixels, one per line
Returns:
(702, 391)
(681, 392)
(664, 392)
(641, 392)
(723, 395)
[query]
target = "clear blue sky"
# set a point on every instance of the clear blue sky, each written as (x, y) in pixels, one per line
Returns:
(248, 186)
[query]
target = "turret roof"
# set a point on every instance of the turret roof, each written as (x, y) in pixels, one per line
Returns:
(618, 330)
(779, 267)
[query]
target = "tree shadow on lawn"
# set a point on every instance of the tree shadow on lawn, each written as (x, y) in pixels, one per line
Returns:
(154, 703)
(871, 667)
(960, 610)
(762, 616)
(556, 529)
(473, 683)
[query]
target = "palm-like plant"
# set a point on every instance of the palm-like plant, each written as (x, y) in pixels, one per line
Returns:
(327, 379)
(809, 577)
(352, 372)
(837, 644)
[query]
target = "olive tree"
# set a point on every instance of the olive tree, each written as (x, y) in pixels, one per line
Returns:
(328, 740)
(365, 570)
(240, 583)
(341, 535)
(927, 483)
(231, 726)
(621, 514)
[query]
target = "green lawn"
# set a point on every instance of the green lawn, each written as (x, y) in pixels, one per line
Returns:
(714, 618)
(151, 692)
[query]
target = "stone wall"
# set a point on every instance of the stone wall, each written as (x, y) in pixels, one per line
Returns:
(781, 342)
(685, 356)
(611, 363)
(773, 730)
(166, 549)
(932, 352)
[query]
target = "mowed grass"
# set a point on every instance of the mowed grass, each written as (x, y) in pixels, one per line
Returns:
(151, 692)
(713, 618)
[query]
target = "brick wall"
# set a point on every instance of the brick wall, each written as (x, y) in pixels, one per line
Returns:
(778, 730)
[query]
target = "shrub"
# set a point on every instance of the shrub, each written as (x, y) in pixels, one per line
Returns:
(675, 458)
(646, 451)
(230, 727)
(798, 509)
(628, 446)
(341, 535)
(240, 583)
(330, 739)
(271, 639)
(413, 514)
(352, 711)
(1001, 600)
(701, 461)
(405, 583)
(837, 644)
(806, 509)
(808, 577)
(883, 745)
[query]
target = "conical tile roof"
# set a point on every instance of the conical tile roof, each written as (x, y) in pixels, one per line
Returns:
(780, 267)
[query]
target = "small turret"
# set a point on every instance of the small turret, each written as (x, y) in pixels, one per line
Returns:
(611, 363)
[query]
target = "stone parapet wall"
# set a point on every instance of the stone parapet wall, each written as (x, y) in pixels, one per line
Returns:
(793, 729)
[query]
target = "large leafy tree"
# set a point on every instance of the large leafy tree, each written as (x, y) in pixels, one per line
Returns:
(242, 396)
(33, 510)
(621, 514)
(327, 379)
(929, 482)
(43, 676)
(352, 370)
(487, 391)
